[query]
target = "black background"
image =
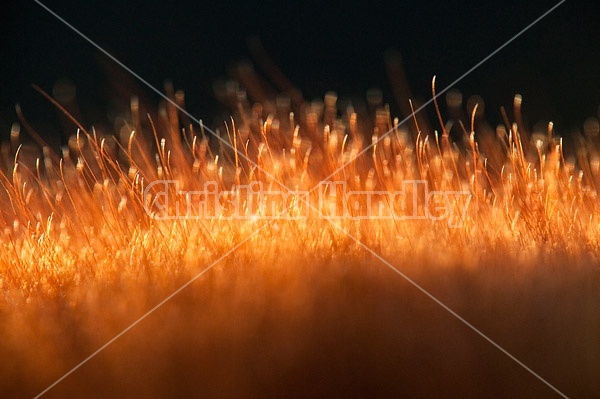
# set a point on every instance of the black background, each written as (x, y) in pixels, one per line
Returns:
(319, 46)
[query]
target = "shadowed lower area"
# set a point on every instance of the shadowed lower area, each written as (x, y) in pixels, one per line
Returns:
(279, 324)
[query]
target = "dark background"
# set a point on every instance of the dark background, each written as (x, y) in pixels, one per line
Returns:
(320, 47)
